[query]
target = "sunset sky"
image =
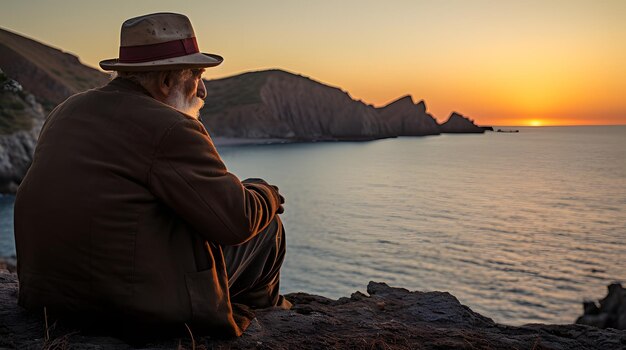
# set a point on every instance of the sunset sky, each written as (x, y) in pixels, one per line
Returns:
(548, 62)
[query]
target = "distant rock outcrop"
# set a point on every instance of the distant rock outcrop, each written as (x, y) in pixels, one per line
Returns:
(21, 118)
(50, 74)
(457, 123)
(278, 104)
(384, 318)
(406, 118)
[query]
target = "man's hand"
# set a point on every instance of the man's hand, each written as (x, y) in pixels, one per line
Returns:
(281, 209)
(274, 189)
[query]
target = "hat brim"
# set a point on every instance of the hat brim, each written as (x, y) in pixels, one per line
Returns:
(196, 60)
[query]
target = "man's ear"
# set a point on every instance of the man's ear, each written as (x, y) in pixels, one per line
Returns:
(164, 83)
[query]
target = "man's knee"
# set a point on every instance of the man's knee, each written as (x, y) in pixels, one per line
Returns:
(274, 233)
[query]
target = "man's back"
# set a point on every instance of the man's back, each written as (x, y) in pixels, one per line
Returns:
(86, 199)
(104, 219)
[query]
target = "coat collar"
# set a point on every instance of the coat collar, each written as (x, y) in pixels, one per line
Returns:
(125, 85)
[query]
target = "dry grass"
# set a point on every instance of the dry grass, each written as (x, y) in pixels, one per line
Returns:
(194, 345)
(58, 343)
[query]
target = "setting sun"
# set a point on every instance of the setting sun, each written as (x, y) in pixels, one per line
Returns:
(535, 122)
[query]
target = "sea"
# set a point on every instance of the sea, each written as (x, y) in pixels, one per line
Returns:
(521, 227)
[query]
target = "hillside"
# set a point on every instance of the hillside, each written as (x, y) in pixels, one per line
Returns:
(50, 74)
(278, 104)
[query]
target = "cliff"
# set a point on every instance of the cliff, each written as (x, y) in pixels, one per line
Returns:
(21, 118)
(50, 74)
(278, 104)
(384, 318)
(457, 123)
(34, 78)
(405, 118)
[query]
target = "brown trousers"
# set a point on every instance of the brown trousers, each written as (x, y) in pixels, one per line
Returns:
(254, 268)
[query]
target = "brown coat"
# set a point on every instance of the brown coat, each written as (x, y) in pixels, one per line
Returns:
(124, 210)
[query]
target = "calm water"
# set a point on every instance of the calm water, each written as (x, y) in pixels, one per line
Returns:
(520, 227)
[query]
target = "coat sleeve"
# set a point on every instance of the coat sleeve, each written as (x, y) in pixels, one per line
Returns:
(188, 175)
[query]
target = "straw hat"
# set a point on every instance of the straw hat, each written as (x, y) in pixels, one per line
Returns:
(159, 41)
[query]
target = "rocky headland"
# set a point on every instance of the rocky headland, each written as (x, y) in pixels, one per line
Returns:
(406, 118)
(457, 123)
(611, 312)
(50, 74)
(278, 104)
(383, 318)
(253, 107)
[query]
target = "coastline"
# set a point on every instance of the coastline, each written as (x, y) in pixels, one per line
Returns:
(240, 141)
(221, 141)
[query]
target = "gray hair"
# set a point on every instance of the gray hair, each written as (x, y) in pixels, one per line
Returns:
(148, 78)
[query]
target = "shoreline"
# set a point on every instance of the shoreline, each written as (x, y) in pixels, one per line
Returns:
(221, 141)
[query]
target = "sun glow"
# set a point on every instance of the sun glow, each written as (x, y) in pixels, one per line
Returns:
(535, 122)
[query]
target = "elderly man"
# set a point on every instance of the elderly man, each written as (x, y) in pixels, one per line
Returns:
(128, 215)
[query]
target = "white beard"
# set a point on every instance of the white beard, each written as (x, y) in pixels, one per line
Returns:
(177, 100)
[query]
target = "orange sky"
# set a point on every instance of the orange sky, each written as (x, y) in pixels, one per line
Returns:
(557, 62)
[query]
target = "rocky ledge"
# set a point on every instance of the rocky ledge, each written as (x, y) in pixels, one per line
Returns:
(384, 318)
(612, 310)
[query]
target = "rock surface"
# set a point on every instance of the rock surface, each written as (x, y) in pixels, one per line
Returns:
(385, 318)
(457, 123)
(48, 76)
(612, 310)
(278, 104)
(406, 118)
(21, 119)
